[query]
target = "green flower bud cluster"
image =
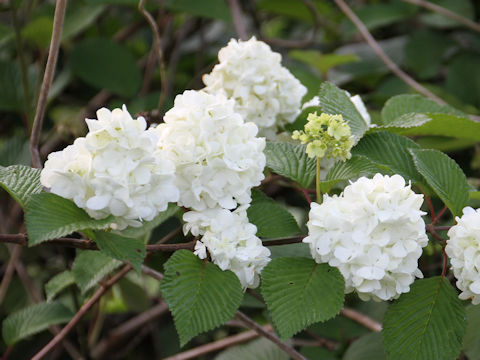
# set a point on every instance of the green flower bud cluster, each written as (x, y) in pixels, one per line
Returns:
(326, 136)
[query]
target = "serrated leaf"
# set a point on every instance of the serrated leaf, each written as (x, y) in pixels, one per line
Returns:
(291, 160)
(300, 292)
(122, 248)
(59, 282)
(426, 323)
(368, 347)
(20, 182)
(471, 341)
(444, 176)
(92, 266)
(271, 219)
(99, 62)
(260, 349)
(148, 226)
(353, 168)
(390, 150)
(49, 216)
(335, 101)
(32, 320)
(199, 294)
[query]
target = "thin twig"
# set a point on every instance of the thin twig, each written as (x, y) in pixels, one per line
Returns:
(382, 55)
(445, 12)
(362, 319)
(218, 345)
(157, 46)
(270, 336)
(327, 344)
(152, 273)
(47, 81)
(238, 20)
(285, 241)
(127, 328)
(83, 310)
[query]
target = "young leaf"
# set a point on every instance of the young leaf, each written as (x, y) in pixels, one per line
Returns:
(368, 347)
(121, 248)
(426, 323)
(300, 292)
(20, 182)
(260, 349)
(49, 216)
(291, 160)
(90, 267)
(335, 101)
(271, 219)
(199, 294)
(59, 282)
(444, 176)
(32, 320)
(390, 150)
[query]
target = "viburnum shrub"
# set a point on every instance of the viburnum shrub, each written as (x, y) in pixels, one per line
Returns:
(360, 227)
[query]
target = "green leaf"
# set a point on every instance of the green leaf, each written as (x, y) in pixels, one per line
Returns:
(216, 9)
(322, 62)
(444, 176)
(271, 219)
(368, 347)
(390, 150)
(260, 349)
(471, 341)
(426, 323)
(300, 292)
(122, 248)
(291, 160)
(79, 18)
(106, 65)
(49, 216)
(39, 31)
(335, 101)
(463, 78)
(463, 8)
(353, 168)
(475, 195)
(32, 320)
(15, 151)
(148, 226)
(199, 294)
(92, 266)
(20, 182)
(59, 282)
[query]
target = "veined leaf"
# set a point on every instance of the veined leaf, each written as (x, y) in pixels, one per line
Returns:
(271, 219)
(20, 182)
(444, 176)
(259, 349)
(300, 292)
(391, 151)
(92, 266)
(32, 320)
(59, 282)
(199, 294)
(335, 101)
(291, 160)
(426, 323)
(121, 248)
(471, 341)
(49, 216)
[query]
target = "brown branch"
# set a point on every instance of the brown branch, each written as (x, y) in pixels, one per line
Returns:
(362, 319)
(445, 12)
(382, 55)
(83, 310)
(327, 344)
(152, 273)
(47, 81)
(283, 241)
(238, 20)
(270, 336)
(128, 327)
(219, 344)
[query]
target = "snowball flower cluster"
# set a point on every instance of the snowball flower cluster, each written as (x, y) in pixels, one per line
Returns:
(217, 155)
(116, 169)
(463, 248)
(264, 91)
(373, 233)
(231, 242)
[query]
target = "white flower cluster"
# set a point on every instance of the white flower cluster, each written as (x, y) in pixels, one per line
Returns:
(373, 234)
(116, 169)
(264, 91)
(231, 242)
(217, 155)
(463, 248)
